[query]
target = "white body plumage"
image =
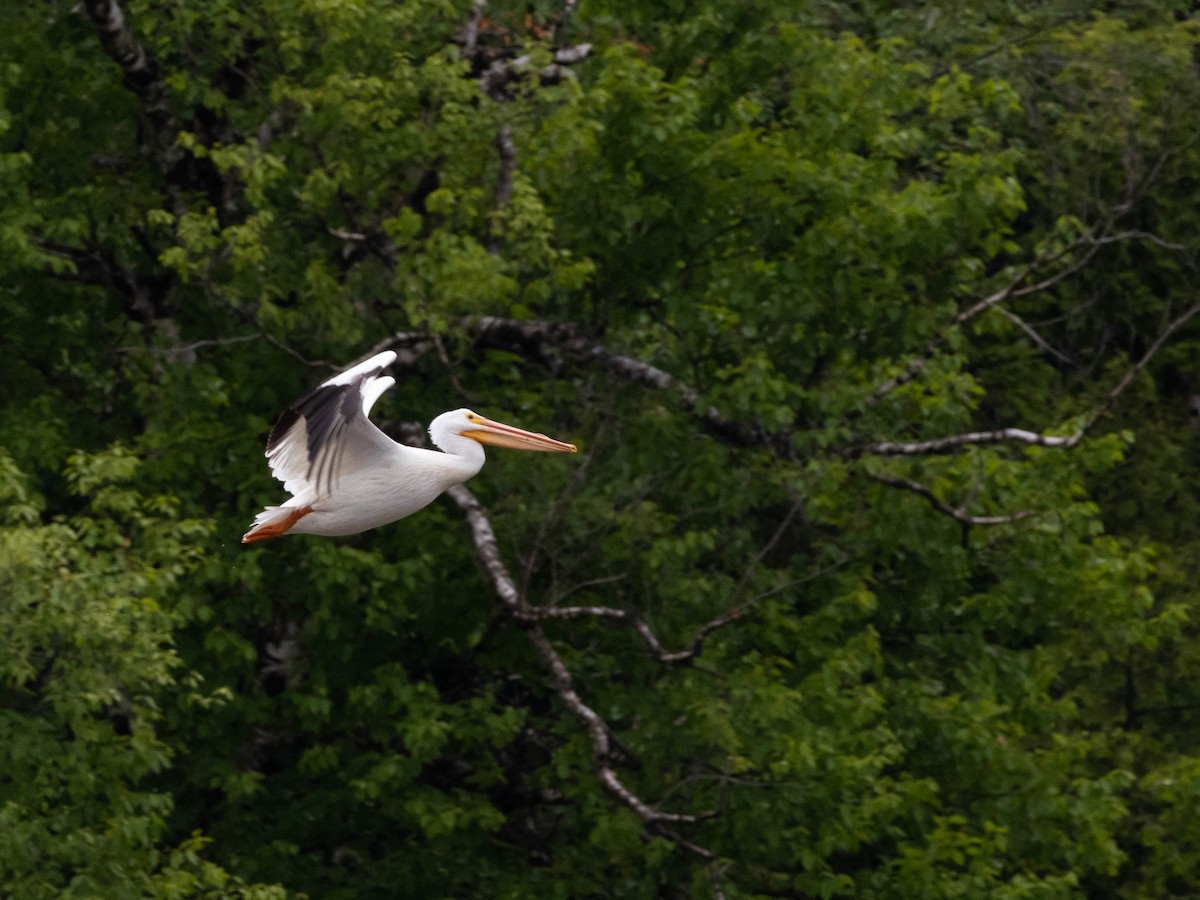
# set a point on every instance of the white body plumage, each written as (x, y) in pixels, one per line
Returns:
(347, 476)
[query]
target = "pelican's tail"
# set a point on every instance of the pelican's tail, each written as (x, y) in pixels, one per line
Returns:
(274, 521)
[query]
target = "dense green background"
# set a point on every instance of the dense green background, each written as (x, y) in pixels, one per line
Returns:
(965, 668)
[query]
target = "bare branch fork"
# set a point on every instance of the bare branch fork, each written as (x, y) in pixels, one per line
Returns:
(1084, 249)
(917, 365)
(957, 513)
(531, 617)
(1020, 435)
(597, 729)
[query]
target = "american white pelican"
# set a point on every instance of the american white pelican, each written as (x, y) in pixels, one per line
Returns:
(345, 475)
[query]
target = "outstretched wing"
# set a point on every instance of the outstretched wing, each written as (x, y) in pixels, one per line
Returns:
(326, 433)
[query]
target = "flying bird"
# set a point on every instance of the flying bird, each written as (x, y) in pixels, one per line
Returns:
(346, 476)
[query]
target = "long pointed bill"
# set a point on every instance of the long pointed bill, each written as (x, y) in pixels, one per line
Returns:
(497, 434)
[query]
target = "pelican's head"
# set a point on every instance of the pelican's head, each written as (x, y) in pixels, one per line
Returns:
(471, 425)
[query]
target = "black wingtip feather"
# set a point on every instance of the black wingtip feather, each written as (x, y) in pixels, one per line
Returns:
(287, 419)
(326, 412)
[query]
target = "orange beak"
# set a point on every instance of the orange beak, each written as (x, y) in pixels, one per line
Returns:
(497, 434)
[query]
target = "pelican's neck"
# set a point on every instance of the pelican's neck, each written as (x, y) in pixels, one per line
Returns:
(465, 455)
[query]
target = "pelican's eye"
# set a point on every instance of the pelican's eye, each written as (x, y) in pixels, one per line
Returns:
(471, 417)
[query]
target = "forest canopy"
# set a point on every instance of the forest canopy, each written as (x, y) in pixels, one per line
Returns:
(876, 327)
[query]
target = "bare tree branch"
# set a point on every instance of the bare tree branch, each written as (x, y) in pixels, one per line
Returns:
(917, 365)
(409, 346)
(507, 151)
(1020, 435)
(185, 349)
(1141, 235)
(563, 342)
(570, 55)
(470, 32)
(141, 77)
(354, 236)
(956, 513)
(1181, 320)
(955, 441)
(98, 266)
(537, 335)
(1090, 243)
(503, 72)
(1012, 290)
(552, 520)
(584, 585)
(597, 729)
(539, 339)
(1041, 342)
(635, 621)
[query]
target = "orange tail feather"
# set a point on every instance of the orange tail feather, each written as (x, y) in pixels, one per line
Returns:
(270, 524)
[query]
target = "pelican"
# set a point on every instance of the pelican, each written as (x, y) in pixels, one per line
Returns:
(346, 476)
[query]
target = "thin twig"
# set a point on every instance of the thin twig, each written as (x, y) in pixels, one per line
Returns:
(584, 585)
(1012, 290)
(575, 484)
(409, 346)
(1125, 381)
(1041, 342)
(1092, 241)
(195, 345)
(635, 621)
(445, 360)
(956, 513)
(1008, 292)
(1141, 235)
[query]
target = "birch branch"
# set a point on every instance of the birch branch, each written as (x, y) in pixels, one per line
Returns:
(540, 339)
(1091, 243)
(1033, 438)
(536, 336)
(506, 152)
(917, 365)
(503, 72)
(635, 621)
(956, 513)
(955, 441)
(597, 729)
(140, 76)
(556, 341)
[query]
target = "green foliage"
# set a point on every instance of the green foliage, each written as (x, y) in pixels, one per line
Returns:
(785, 209)
(87, 664)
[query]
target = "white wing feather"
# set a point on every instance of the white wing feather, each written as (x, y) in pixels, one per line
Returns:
(326, 434)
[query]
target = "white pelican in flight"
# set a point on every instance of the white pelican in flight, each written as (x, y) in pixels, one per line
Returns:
(345, 475)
